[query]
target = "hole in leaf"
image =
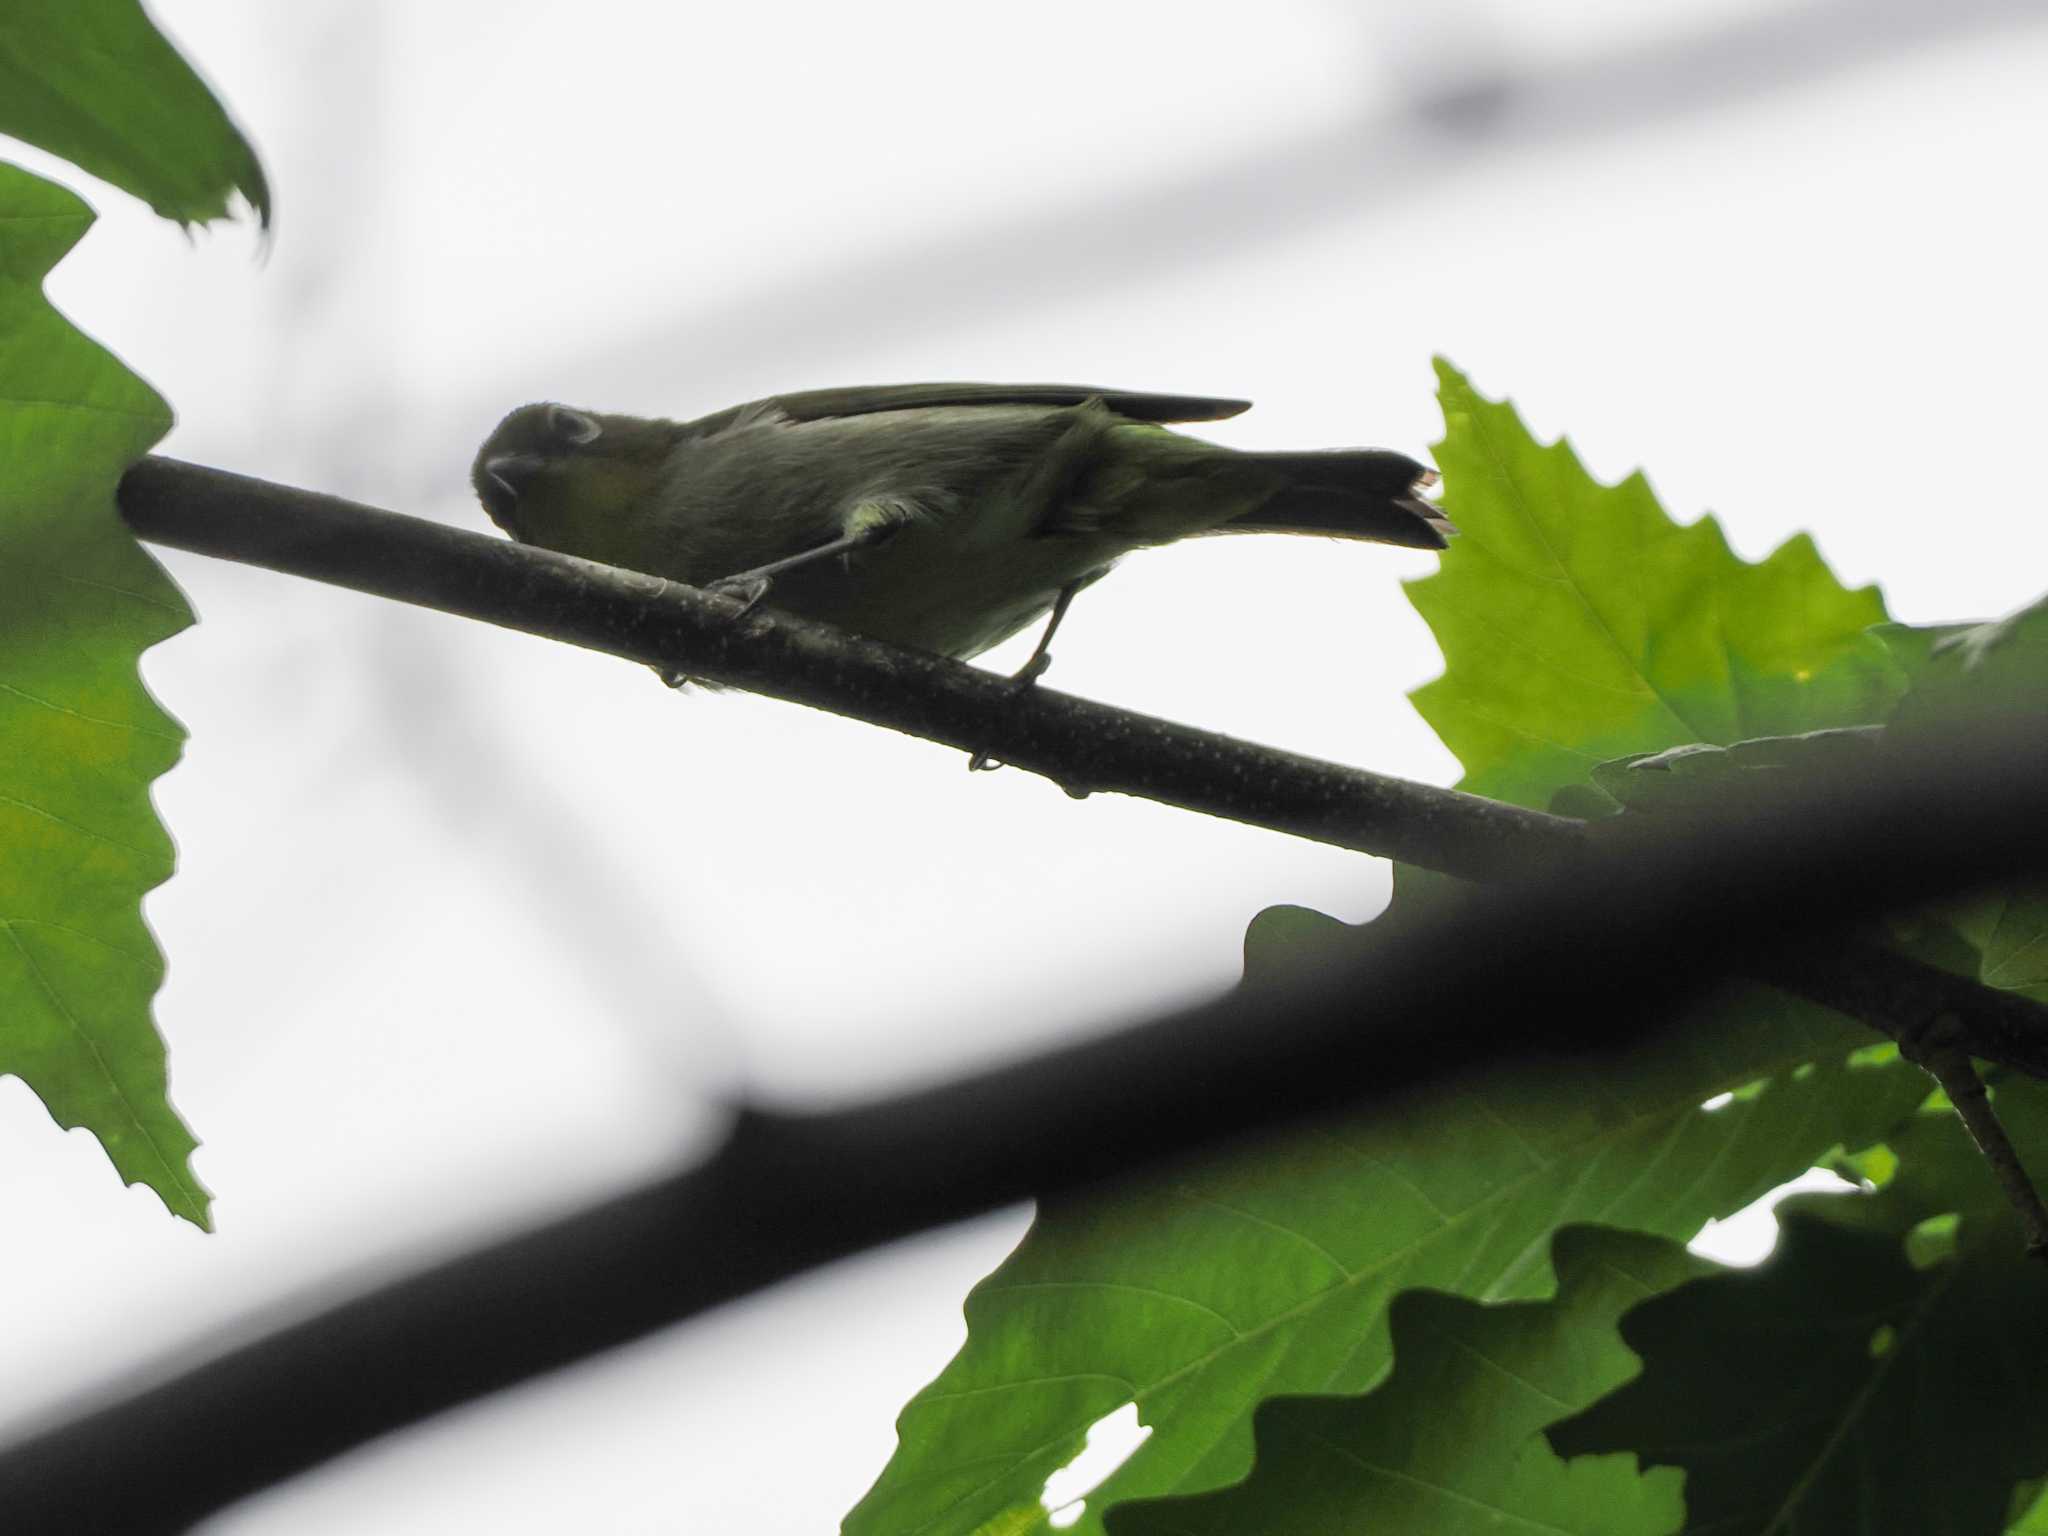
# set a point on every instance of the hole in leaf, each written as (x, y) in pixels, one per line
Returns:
(1882, 1340)
(1933, 1241)
(1880, 1055)
(1741, 1095)
(1873, 1166)
(1803, 1071)
(1746, 1238)
(1111, 1440)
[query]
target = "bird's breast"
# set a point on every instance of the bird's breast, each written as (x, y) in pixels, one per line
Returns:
(934, 589)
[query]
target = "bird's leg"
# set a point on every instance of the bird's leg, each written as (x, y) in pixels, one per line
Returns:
(1035, 667)
(871, 524)
(1041, 653)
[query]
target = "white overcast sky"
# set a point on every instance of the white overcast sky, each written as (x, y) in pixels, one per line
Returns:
(468, 926)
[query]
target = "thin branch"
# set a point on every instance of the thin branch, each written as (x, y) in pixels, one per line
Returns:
(1932, 1047)
(1902, 997)
(1590, 958)
(1081, 745)
(1931, 1012)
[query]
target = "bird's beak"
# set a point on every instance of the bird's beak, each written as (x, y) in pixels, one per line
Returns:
(1418, 501)
(510, 472)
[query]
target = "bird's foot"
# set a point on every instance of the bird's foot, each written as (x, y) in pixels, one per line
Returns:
(1021, 682)
(747, 591)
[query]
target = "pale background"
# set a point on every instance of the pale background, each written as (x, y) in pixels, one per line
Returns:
(469, 926)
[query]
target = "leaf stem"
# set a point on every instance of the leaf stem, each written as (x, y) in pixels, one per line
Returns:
(1934, 1051)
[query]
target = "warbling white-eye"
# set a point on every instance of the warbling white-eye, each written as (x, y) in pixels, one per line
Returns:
(941, 516)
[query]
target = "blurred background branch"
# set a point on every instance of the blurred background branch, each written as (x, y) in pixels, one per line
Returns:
(1660, 911)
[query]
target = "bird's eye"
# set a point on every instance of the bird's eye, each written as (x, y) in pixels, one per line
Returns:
(572, 427)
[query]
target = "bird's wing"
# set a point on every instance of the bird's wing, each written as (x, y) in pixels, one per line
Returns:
(867, 399)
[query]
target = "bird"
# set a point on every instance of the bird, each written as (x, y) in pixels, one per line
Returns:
(944, 517)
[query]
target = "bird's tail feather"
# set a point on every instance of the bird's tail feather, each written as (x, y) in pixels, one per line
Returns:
(1349, 494)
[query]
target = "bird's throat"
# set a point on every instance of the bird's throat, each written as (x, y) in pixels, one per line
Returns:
(598, 512)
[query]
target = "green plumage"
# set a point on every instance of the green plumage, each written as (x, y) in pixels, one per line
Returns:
(993, 498)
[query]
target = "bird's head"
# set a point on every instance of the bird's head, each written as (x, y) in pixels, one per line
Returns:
(546, 465)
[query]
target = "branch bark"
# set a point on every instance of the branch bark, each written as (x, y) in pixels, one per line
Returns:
(1080, 745)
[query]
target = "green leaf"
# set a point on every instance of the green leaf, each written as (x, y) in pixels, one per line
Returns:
(1620, 625)
(1912, 646)
(1955, 674)
(93, 81)
(1579, 623)
(1837, 1389)
(1963, 673)
(1282, 942)
(2030, 1512)
(1199, 1295)
(1843, 1388)
(1700, 777)
(1453, 1440)
(2009, 930)
(79, 602)
(1960, 674)
(1941, 1173)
